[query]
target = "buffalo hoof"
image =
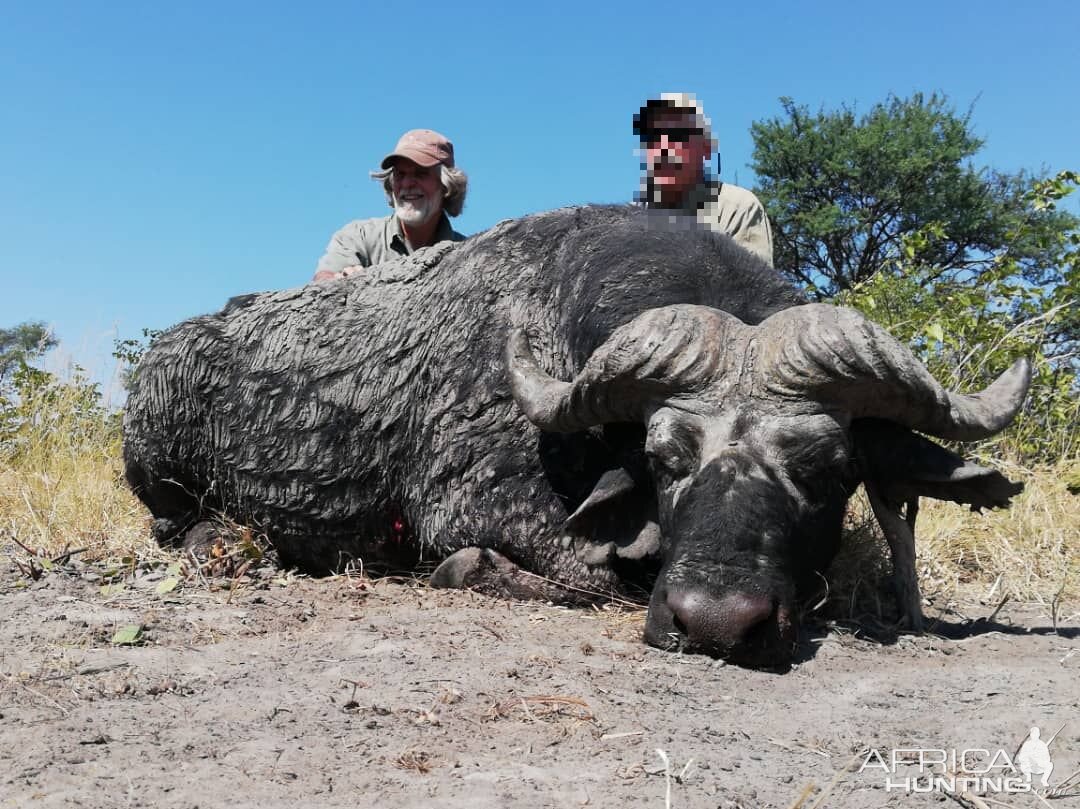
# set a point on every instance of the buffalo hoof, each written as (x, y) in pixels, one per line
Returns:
(480, 569)
(912, 618)
(489, 572)
(201, 538)
(458, 570)
(168, 532)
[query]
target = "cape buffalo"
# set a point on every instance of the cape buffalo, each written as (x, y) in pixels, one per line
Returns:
(712, 423)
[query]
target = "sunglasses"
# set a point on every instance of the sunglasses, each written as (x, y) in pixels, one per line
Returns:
(674, 135)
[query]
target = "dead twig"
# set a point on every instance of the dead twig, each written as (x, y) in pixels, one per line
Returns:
(17, 541)
(1042, 800)
(85, 671)
(39, 695)
(65, 557)
(836, 779)
(667, 777)
(997, 609)
(542, 707)
(965, 798)
(1068, 788)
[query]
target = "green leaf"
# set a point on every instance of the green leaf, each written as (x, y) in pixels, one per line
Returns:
(166, 586)
(111, 589)
(935, 332)
(127, 635)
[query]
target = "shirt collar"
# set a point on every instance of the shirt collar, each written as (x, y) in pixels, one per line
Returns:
(396, 236)
(700, 195)
(696, 198)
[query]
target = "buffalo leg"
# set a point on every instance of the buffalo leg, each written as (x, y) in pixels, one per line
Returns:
(489, 572)
(901, 538)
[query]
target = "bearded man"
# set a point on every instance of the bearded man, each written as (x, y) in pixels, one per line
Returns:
(423, 187)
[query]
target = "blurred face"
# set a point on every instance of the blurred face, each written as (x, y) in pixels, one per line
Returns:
(417, 192)
(675, 154)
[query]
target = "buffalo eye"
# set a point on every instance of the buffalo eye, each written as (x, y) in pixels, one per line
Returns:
(667, 464)
(809, 449)
(672, 449)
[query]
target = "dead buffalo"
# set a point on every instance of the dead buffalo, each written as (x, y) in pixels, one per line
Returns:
(709, 423)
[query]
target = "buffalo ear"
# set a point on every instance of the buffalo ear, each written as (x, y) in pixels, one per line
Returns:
(904, 466)
(617, 519)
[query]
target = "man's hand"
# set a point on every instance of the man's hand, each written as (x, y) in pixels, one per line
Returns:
(329, 275)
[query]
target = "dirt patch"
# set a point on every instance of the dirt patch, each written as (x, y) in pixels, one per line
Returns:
(347, 692)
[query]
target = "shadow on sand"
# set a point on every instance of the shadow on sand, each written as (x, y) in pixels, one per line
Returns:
(870, 628)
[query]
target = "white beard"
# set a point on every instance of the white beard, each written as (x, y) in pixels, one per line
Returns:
(415, 212)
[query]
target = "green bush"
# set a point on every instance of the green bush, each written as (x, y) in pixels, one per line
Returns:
(36, 407)
(968, 333)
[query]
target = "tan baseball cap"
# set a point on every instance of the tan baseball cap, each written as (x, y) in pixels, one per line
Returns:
(425, 147)
(674, 102)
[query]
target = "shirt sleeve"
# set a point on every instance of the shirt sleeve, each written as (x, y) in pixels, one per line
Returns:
(756, 233)
(737, 212)
(346, 249)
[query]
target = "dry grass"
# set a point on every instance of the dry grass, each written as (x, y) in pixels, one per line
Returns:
(1029, 552)
(420, 761)
(61, 483)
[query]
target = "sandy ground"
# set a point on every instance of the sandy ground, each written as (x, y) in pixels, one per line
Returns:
(292, 692)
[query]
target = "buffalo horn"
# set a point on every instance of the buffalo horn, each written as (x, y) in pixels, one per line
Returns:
(836, 355)
(660, 353)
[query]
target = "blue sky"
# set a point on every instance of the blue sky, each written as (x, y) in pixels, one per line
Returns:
(156, 159)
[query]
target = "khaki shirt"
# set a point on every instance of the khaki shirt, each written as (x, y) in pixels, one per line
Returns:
(731, 209)
(367, 242)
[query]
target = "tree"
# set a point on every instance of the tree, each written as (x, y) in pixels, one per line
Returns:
(21, 344)
(844, 192)
(130, 351)
(971, 267)
(36, 405)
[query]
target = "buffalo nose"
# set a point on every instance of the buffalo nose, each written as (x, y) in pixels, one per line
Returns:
(718, 624)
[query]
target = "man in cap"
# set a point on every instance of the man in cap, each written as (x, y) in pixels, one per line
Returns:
(676, 140)
(423, 187)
